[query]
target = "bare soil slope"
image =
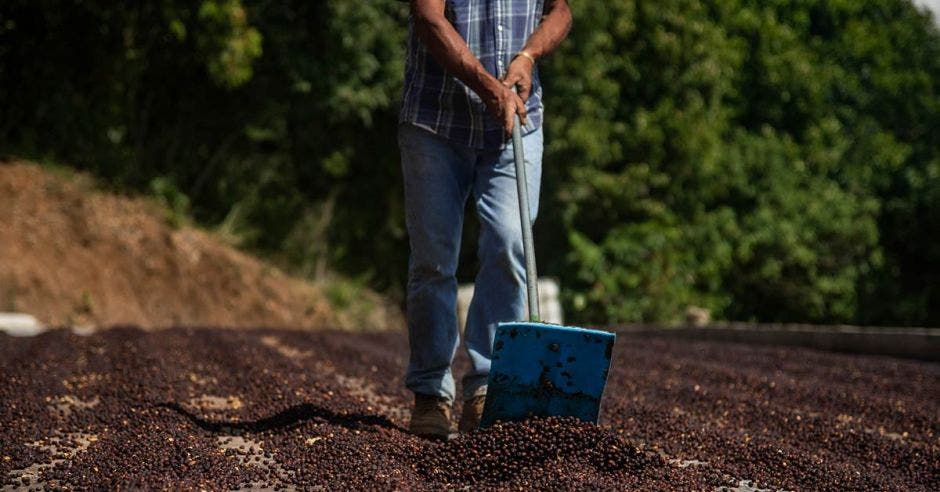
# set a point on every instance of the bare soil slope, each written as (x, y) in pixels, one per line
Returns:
(70, 254)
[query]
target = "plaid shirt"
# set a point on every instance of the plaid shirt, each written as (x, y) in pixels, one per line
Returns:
(495, 30)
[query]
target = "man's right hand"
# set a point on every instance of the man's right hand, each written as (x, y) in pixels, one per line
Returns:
(452, 52)
(504, 104)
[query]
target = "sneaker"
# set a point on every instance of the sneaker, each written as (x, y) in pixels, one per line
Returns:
(472, 411)
(431, 417)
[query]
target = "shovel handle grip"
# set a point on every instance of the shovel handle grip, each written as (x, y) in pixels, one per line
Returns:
(528, 245)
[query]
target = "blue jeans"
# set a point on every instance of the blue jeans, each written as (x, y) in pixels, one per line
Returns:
(439, 176)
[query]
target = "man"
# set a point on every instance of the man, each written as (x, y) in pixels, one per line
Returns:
(464, 59)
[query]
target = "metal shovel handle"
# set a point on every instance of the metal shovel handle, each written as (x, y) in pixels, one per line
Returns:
(528, 246)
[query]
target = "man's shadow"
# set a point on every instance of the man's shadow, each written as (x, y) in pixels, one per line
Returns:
(287, 419)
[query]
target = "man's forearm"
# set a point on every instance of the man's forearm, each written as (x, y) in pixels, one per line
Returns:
(556, 22)
(448, 48)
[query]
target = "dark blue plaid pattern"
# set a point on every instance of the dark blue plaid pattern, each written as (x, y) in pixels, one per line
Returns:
(495, 30)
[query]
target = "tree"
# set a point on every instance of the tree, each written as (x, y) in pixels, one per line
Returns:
(774, 160)
(735, 155)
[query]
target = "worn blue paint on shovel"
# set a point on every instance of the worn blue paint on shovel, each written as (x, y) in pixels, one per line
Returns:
(538, 369)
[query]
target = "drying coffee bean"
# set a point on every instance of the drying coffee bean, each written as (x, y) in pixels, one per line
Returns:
(223, 409)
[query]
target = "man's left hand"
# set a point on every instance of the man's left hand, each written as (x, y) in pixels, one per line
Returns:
(520, 75)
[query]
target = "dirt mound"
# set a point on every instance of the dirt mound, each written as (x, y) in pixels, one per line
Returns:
(70, 254)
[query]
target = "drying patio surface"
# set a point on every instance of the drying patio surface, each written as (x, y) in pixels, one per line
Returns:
(281, 409)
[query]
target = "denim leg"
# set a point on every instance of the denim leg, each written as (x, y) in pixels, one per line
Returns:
(437, 178)
(499, 291)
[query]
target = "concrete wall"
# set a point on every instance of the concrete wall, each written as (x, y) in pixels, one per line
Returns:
(549, 303)
(911, 343)
(19, 324)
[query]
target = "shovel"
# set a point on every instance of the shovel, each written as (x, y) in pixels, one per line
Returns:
(539, 369)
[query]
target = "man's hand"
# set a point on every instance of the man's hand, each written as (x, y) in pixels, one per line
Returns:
(520, 75)
(451, 51)
(504, 104)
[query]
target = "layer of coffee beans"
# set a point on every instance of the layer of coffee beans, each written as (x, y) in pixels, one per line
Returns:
(218, 409)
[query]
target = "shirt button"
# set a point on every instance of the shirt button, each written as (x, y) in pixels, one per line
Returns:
(499, 27)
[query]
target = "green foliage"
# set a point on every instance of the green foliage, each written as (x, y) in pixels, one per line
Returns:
(775, 160)
(230, 44)
(173, 201)
(740, 156)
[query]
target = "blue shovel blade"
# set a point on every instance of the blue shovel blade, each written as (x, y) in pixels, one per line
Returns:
(541, 370)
